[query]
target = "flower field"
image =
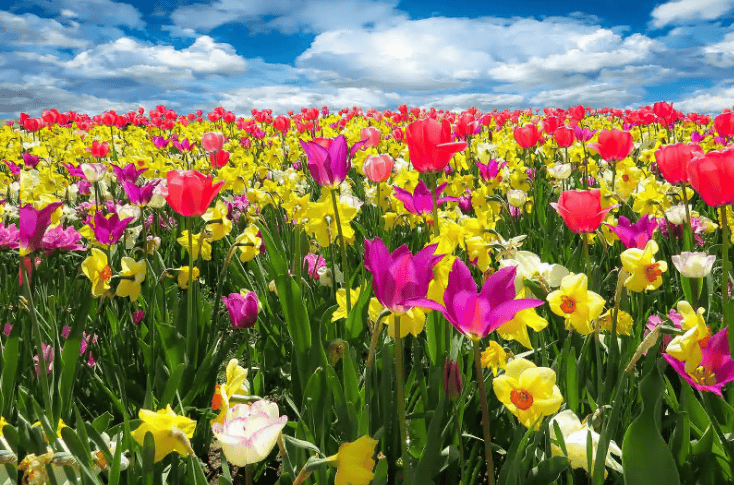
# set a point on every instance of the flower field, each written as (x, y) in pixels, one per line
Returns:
(354, 297)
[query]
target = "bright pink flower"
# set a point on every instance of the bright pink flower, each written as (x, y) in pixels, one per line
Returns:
(581, 209)
(219, 159)
(673, 161)
(465, 126)
(282, 123)
(476, 314)
(400, 280)
(242, 309)
(430, 145)
(378, 168)
(613, 145)
(99, 150)
(564, 136)
(421, 200)
(716, 368)
(527, 136)
(212, 141)
(371, 135)
(712, 176)
(33, 225)
(724, 124)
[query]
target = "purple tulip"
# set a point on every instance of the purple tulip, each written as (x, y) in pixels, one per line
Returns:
(73, 171)
(312, 263)
(716, 368)
(583, 134)
(9, 237)
(128, 174)
(14, 168)
(33, 225)
(242, 309)
(400, 280)
(421, 200)
(328, 159)
(491, 170)
(477, 314)
(139, 195)
(64, 239)
(29, 160)
(634, 235)
(109, 231)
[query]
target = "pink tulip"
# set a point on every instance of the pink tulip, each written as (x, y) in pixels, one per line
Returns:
(378, 168)
(372, 135)
(212, 141)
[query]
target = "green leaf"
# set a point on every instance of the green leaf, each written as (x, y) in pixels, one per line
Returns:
(646, 457)
(435, 336)
(355, 320)
(547, 471)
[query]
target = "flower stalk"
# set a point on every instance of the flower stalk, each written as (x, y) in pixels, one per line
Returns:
(485, 413)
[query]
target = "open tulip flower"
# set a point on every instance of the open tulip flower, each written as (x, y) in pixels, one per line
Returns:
(634, 235)
(400, 280)
(581, 209)
(528, 391)
(712, 176)
(421, 200)
(477, 314)
(430, 145)
(328, 159)
(33, 225)
(190, 193)
(575, 438)
(249, 432)
(714, 370)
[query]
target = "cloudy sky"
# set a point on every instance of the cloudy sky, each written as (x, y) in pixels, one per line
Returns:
(94, 55)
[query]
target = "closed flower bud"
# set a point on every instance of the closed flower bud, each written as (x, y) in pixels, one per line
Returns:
(452, 383)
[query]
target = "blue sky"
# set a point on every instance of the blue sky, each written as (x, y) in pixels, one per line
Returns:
(94, 55)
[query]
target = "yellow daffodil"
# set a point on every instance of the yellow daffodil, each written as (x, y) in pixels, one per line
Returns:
(250, 243)
(132, 275)
(624, 322)
(218, 224)
(577, 304)
(687, 347)
(494, 357)
(95, 268)
(412, 321)
(529, 392)
(199, 242)
(183, 276)
(236, 383)
(341, 300)
(645, 272)
(517, 328)
(355, 462)
(171, 432)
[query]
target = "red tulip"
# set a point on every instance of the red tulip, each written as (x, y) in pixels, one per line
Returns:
(372, 135)
(527, 136)
(378, 168)
(673, 159)
(282, 123)
(219, 159)
(430, 145)
(190, 192)
(724, 124)
(581, 209)
(564, 137)
(712, 176)
(550, 124)
(613, 145)
(465, 126)
(99, 150)
(212, 141)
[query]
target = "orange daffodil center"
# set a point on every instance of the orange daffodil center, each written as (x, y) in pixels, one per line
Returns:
(575, 303)
(521, 398)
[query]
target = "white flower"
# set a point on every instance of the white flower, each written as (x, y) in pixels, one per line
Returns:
(575, 435)
(249, 432)
(94, 172)
(693, 265)
(129, 210)
(530, 267)
(677, 214)
(560, 171)
(517, 198)
(159, 195)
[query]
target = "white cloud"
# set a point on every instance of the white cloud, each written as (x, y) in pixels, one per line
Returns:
(34, 97)
(31, 30)
(461, 102)
(721, 54)
(127, 57)
(680, 11)
(601, 94)
(288, 16)
(709, 101)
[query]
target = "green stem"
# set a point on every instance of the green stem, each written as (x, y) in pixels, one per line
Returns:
(485, 413)
(687, 234)
(42, 365)
(457, 416)
(191, 330)
(587, 260)
(400, 396)
(343, 249)
(434, 182)
(725, 276)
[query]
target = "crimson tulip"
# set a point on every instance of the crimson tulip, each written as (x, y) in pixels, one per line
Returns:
(282, 123)
(724, 124)
(564, 136)
(581, 209)
(527, 136)
(190, 193)
(99, 150)
(712, 176)
(613, 145)
(672, 161)
(219, 159)
(430, 145)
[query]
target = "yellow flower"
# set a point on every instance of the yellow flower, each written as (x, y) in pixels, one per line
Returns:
(3, 423)
(517, 328)
(494, 357)
(133, 273)
(624, 322)
(95, 268)
(355, 462)
(412, 321)
(575, 437)
(236, 383)
(574, 302)
(171, 432)
(199, 242)
(341, 299)
(218, 224)
(250, 243)
(529, 392)
(645, 272)
(687, 347)
(183, 276)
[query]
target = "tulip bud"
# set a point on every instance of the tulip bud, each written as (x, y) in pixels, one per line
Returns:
(212, 141)
(378, 168)
(694, 265)
(452, 383)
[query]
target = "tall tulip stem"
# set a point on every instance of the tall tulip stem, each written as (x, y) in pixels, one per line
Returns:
(434, 195)
(400, 396)
(191, 336)
(343, 249)
(725, 243)
(485, 413)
